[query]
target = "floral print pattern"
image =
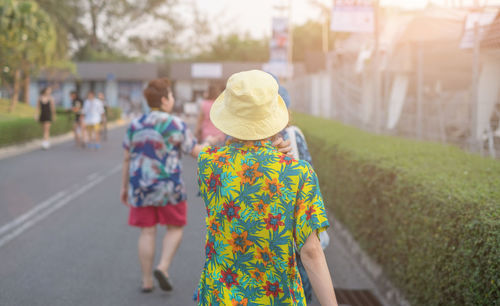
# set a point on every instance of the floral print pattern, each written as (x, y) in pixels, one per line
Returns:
(156, 142)
(260, 204)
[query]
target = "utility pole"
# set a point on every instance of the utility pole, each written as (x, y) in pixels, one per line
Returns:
(475, 138)
(376, 67)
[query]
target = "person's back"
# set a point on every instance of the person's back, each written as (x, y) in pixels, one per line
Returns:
(207, 127)
(261, 205)
(156, 142)
(259, 202)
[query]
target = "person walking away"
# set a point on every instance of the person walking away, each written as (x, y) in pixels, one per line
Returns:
(260, 205)
(151, 180)
(300, 151)
(204, 127)
(76, 108)
(46, 113)
(92, 112)
(104, 122)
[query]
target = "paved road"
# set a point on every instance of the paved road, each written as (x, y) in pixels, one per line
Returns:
(64, 239)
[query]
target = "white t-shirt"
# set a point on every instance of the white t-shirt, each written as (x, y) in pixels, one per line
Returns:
(93, 110)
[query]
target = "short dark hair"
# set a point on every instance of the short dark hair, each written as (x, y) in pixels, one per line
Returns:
(44, 90)
(214, 90)
(155, 90)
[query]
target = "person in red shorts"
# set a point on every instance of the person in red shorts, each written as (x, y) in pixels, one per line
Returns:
(152, 185)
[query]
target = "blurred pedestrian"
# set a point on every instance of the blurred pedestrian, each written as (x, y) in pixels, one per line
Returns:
(300, 151)
(204, 127)
(152, 185)
(104, 122)
(78, 127)
(46, 113)
(260, 204)
(92, 116)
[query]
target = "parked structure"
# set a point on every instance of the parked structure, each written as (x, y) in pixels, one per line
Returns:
(121, 83)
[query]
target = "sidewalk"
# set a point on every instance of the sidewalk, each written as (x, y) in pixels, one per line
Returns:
(36, 144)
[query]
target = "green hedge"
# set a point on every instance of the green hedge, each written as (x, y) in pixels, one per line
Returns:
(13, 131)
(428, 213)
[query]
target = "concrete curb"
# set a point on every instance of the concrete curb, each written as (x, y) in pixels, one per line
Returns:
(37, 143)
(385, 290)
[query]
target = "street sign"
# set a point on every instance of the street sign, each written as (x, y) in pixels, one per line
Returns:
(206, 70)
(355, 16)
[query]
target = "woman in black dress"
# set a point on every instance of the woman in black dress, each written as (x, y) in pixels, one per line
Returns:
(46, 111)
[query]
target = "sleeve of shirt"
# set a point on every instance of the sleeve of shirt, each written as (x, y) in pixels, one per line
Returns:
(188, 139)
(127, 139)
(302, 147)
(310, 213)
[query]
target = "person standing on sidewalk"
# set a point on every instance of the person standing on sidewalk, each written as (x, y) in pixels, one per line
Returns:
(92, 116)
(261, 205)
(204, 127)
(46, 113)
(152, 185)
(76, 108)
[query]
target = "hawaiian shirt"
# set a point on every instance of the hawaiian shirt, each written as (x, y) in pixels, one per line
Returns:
(260, 203)
(156, 142)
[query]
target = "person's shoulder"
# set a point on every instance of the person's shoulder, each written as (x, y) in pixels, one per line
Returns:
(209, 153)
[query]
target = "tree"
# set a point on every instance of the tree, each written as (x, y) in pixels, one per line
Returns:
(114, 21)
(234, 47)
(27, 41)
(67, 19)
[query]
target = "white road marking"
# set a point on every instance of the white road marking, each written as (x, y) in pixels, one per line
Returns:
(16, 227)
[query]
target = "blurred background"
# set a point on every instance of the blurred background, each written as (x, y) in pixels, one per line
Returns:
(422, 69)
(399, 102)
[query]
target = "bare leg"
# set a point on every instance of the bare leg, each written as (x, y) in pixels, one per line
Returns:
(90, 134)
(171, 243)
(147, 254)
(46, 131)
(76, 132)
(97, 134)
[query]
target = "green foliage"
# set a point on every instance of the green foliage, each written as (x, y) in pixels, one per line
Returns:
(27, 35)
(25, 129)
(234, 47)
(308, 38)
(114, 113)
(428, 213)
(21, 111)
(21, 126)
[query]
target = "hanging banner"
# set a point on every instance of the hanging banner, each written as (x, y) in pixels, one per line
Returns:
(279, 44)
(279, 40)
(356, 16)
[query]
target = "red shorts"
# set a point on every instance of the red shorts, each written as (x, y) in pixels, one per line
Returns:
(165, 215)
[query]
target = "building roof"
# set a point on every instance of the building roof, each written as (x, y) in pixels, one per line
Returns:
(185, 70)
(119, 71)
(102, 71)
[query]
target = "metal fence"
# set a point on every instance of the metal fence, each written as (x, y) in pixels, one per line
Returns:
(427, 91)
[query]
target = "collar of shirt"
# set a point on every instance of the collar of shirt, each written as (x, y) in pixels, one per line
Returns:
(251, 145)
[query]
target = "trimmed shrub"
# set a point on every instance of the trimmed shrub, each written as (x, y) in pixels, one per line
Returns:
(13, 131)
(428, 213)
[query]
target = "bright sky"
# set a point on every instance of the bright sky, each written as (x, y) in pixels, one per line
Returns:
(255, 16)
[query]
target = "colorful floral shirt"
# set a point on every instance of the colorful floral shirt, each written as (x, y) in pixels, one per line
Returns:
(260, 203)
(156, 142)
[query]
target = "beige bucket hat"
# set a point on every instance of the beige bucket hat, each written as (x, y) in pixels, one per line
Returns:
(250, 108)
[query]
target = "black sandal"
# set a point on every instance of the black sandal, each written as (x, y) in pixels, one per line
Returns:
(163, 280)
